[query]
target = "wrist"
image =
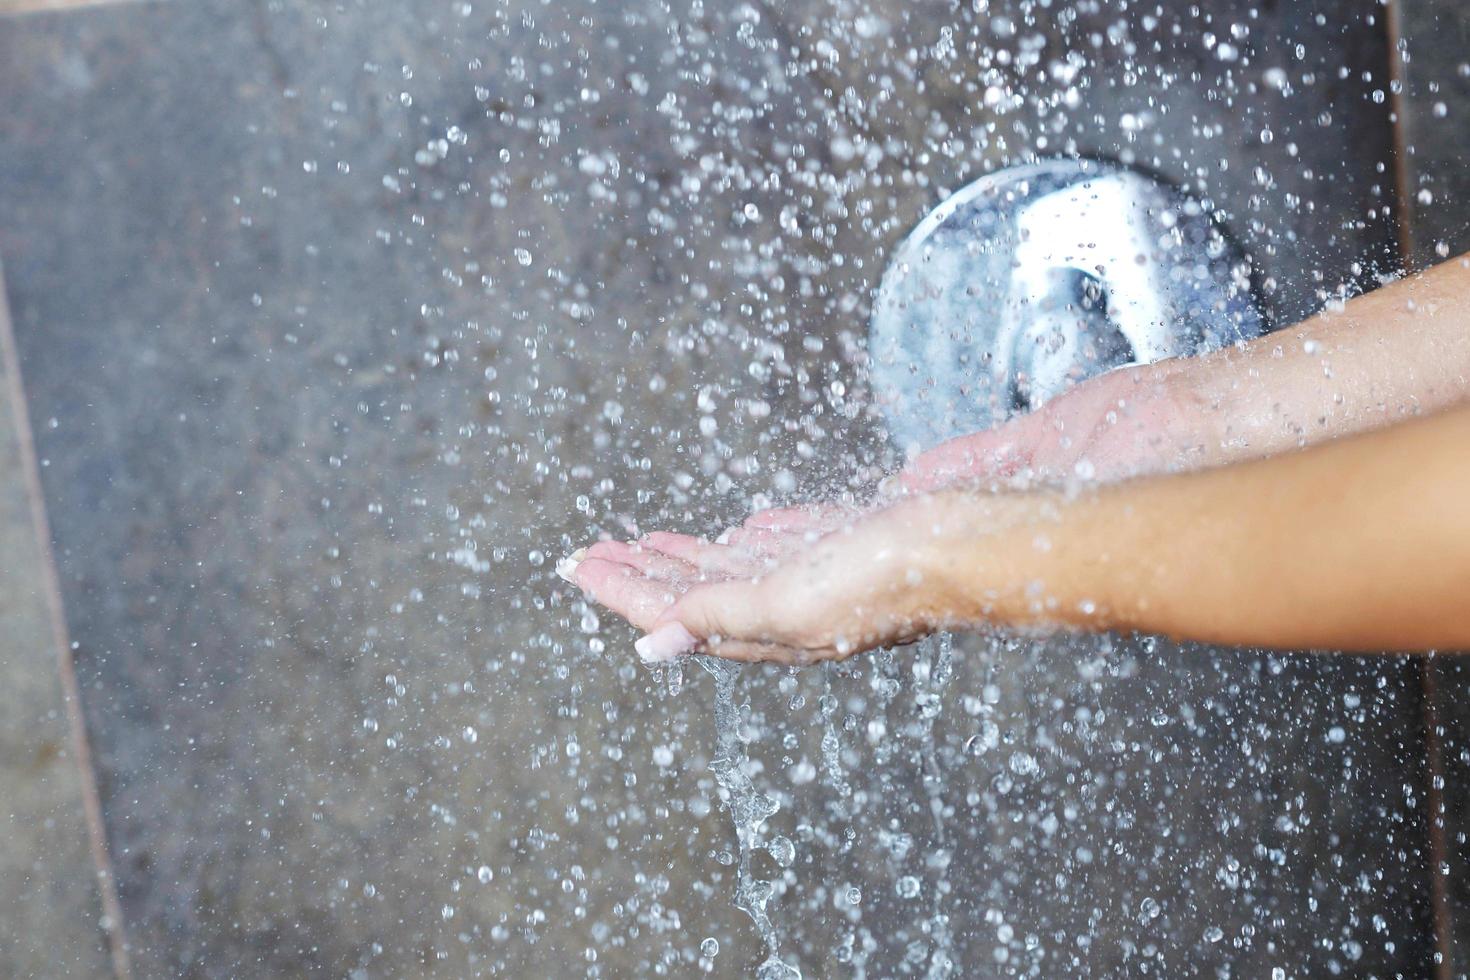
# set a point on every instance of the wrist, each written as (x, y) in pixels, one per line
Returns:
(1040, 560)
(1137, 420)
(931, 528)
(994, 558)
(1190, 405)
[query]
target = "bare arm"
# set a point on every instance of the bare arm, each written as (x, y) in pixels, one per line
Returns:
(1389, 355)
(1357, 544)
(1392, 354)
(1362, 544)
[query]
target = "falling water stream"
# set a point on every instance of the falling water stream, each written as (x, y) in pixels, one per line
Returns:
(937, 657)
(750, 808)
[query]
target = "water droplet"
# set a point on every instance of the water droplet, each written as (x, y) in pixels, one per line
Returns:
(987, 738)
(774, 969)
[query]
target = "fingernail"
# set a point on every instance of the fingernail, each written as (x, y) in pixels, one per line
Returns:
(890, 486)
(567, 567)
(724, 537)
(665, 643)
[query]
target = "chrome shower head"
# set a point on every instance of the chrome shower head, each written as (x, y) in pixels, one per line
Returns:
(1036, 277)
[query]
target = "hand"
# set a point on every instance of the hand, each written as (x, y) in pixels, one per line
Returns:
(813, 587)
(1129, 422)
(1135, 421)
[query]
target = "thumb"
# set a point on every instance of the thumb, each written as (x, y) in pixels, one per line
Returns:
(701, 614)
(665, 643)
(717, 611)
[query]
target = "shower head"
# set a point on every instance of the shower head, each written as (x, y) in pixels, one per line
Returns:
(1036, 277)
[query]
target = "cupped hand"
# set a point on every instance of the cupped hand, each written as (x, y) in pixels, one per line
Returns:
(792, 587)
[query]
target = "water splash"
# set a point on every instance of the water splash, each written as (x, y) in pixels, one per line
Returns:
(750, 810)
(937, 653)
(832, 743)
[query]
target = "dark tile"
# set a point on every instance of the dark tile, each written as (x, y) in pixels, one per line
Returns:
(1436, 98)
(51, 918)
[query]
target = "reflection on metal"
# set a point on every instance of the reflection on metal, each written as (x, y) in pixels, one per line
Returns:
(1037, 277)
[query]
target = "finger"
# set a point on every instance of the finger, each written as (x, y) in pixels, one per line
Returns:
(761, 541)
(625, 590)
(724, 612)
(651, 563)
(769, 653)
(672, 641)
(714, 561)
(665, 643)
(819, 517)
(686, 547)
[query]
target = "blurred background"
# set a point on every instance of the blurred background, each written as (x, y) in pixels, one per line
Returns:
(331, 326)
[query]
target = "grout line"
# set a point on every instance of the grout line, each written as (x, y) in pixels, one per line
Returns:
(1398, 104)
(51, 585)
(1442, 915)
(1444, 945)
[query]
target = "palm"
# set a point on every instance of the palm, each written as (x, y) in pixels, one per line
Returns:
(792, 587)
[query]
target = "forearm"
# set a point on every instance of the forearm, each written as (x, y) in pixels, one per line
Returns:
(1363, 544)
(1391, 354)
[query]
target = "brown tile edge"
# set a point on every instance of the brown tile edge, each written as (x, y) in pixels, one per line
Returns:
(51, 587)
(1403, 208)
(1444, 967)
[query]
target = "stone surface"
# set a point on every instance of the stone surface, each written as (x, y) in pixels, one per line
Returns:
(350, 320)
(50, 905)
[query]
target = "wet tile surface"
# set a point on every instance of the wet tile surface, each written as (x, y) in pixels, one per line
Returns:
(1436, 100)
(1436, 96)
(349, 322)
(50, 909)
